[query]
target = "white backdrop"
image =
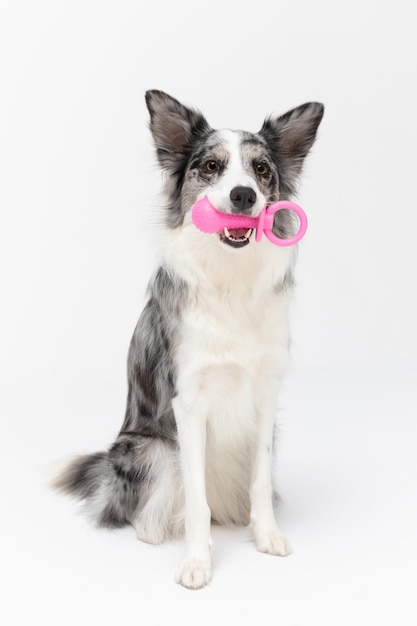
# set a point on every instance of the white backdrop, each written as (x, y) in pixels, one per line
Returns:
(78, 187)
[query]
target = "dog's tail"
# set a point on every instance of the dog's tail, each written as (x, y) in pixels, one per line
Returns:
(82, 476)
(110, 493)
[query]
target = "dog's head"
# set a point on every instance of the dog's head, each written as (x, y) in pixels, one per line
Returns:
(238, 171)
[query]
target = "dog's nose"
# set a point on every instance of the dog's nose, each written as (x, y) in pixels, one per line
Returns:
(243, 199)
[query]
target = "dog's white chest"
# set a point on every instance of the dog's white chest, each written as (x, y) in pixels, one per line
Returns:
(228, 342)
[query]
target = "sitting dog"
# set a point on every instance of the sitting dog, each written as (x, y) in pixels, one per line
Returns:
(211, 345)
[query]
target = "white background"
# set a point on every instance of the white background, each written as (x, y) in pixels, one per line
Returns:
(78, 188)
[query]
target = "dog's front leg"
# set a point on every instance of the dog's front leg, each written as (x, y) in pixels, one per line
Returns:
(268, 537)
(195, 569)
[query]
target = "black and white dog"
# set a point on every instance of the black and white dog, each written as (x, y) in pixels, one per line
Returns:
(210, 347)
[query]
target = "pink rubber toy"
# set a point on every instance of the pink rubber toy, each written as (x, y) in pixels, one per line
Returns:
(210, 220)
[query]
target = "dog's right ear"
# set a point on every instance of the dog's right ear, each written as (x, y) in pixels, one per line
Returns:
(174, 128)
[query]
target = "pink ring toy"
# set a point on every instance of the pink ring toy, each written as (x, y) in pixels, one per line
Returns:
(209, 220)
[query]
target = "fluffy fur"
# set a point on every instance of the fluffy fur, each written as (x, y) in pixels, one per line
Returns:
(210, 348)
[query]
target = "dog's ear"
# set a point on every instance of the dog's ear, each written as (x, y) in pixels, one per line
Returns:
(174, 128)
(290, 138)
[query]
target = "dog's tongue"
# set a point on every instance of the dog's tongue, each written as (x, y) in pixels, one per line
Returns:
(238, 233)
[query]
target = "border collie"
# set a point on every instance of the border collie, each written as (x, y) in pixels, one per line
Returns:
(210, 348)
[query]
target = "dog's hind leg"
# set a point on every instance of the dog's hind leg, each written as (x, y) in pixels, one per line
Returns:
(161, 515)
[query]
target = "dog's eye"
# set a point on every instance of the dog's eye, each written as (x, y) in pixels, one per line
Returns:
(211, 166)
(262, 169)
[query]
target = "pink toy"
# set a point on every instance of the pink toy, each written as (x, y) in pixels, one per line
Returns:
(210, 220)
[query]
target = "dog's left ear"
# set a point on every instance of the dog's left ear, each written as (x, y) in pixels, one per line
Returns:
(174, 128)
(290, 138)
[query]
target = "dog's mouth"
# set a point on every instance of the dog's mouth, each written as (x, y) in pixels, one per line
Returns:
(236, 237)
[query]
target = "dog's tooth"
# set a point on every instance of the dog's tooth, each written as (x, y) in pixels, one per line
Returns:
(248, 232)
(226, 232)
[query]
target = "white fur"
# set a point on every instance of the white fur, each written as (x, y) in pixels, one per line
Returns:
(234, 176)
(163, 514)
(230, 359)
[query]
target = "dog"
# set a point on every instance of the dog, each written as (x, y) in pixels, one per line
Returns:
(210, 348)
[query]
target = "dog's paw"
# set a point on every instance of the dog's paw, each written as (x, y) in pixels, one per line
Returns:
(272, 541)
(194, 573)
